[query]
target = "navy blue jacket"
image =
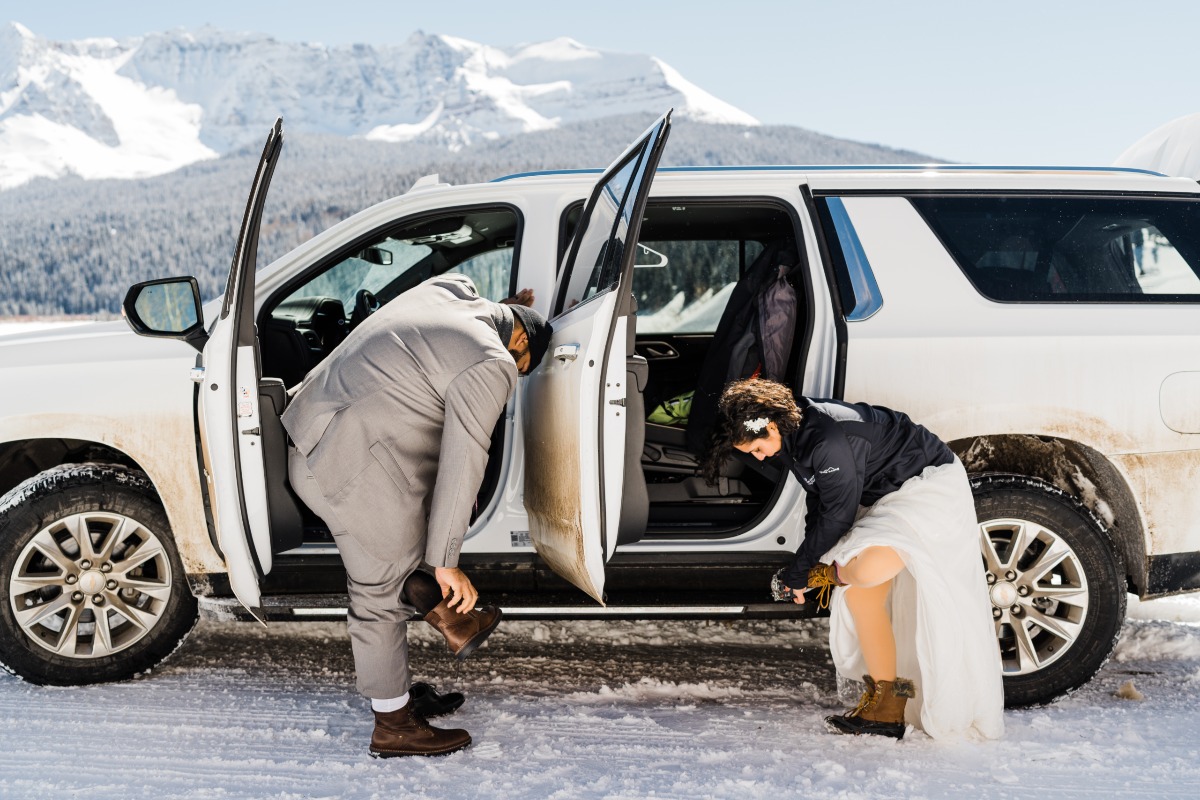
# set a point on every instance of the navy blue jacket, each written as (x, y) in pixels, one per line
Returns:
(847, 455)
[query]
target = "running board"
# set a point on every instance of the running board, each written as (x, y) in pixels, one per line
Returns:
(333, 607)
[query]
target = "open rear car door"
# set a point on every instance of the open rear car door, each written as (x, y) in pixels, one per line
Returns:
(575, 410)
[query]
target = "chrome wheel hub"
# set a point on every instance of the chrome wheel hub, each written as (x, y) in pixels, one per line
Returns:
(90, 584)
(1003, 595)
(1038, 590)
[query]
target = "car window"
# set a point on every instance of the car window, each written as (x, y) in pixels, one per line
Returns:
(300, 327)
(491, 272)
(684, 286)
(480, 244)
(856, 284)
(1064, 249)
(597, 266)
(371, 268)
(690, 257)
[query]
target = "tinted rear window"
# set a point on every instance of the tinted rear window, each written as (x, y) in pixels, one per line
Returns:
(1064, 249)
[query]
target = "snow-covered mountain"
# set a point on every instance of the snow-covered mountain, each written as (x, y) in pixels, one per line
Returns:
(103, 108)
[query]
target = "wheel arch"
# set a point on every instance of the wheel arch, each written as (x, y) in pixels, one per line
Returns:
(178, 488)
(22, 459)
(1078, 470)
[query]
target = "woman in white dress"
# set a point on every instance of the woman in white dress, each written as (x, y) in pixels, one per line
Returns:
(891, 544)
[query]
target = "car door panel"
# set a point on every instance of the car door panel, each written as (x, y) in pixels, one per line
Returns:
(230, 413)
(575, 406)
(562, 430)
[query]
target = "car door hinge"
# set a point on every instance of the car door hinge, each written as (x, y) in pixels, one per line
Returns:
(197, 374)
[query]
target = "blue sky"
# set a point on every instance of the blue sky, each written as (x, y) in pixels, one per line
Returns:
(1015, 82)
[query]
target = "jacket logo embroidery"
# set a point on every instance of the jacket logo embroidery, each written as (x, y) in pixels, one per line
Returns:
(830, 470)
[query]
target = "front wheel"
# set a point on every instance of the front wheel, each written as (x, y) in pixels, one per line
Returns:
(1056, 584)
(91, 587)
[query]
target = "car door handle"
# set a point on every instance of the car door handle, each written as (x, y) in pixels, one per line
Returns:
(566, 352)
(658, 351)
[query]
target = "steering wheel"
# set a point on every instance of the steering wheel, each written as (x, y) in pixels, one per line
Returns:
(365, 304)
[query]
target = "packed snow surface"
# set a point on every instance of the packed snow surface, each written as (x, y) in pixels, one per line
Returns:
(569, 710)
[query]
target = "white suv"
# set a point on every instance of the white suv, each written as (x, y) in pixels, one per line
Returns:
(1041, 321)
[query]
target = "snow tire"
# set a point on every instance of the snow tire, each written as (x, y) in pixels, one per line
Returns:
(80, 493)
(1035, 671)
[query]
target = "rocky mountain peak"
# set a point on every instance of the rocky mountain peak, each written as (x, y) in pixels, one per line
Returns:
(143, 106)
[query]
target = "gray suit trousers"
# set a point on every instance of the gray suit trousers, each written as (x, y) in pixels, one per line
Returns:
(378, 618)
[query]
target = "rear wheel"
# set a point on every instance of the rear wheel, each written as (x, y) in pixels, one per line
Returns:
(1056, 585)
(92, 587)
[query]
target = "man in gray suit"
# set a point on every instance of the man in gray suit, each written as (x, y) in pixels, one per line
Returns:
(391, 435)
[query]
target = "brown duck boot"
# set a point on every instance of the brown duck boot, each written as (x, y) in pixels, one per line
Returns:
(463, 632)
(823, 577)
(880, 711)
(406, 733)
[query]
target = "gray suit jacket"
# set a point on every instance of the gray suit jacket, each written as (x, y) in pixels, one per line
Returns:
(396, 422)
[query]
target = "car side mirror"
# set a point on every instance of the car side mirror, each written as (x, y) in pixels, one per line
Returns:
(167, 308)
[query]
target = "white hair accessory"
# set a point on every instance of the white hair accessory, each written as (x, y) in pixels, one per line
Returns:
(756, 425)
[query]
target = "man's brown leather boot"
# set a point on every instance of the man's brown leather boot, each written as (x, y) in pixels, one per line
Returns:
(880, 711)
(405, 733)
(463, 632)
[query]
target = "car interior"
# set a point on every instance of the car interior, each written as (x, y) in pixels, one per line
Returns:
(690, 260)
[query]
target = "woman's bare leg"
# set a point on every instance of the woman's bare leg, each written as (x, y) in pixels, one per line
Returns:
(871, 567)
(868, 607)
(869, 579)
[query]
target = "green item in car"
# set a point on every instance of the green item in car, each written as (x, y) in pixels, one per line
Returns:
(672, 412)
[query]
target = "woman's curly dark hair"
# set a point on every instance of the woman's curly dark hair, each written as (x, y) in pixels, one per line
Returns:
(740, 402)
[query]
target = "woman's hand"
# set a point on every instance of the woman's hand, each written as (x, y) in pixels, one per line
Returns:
(797, 596)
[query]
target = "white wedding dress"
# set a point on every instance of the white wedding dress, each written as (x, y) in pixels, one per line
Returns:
(941, 615)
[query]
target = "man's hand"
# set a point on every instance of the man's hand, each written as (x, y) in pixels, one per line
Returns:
(521, 298)
(456, 587)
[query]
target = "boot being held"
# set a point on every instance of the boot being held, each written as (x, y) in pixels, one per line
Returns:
(823, 577)
(463, 632)
(880, 711)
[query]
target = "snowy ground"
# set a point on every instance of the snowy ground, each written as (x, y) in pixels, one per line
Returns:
(9, 325)
(616, 710)
(588, 710)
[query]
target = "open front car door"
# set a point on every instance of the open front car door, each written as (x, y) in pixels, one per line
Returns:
(230, 421)
(575, 402)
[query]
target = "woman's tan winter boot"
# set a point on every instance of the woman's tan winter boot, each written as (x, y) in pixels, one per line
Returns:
(880, 711)
(823, 577)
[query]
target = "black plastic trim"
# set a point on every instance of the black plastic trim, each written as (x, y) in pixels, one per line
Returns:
(839, 315)
(1172, 574)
